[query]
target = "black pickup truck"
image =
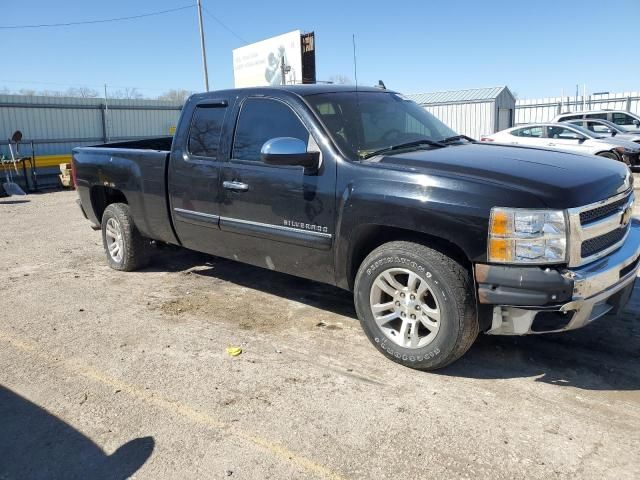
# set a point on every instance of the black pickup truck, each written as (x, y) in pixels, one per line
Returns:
(439, 237)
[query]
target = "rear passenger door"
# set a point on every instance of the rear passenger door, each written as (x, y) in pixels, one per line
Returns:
(194, 177)
(529, 137)
(278, 217)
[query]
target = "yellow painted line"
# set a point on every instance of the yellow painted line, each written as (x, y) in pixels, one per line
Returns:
(183, 409)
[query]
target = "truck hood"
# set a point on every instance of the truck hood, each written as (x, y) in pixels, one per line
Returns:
(557, 179)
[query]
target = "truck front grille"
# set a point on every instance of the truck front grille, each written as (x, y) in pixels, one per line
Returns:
(602, 242)
(598, 229)
(598, 213)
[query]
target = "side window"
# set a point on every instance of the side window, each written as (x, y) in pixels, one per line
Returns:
(262, 119)
(622, 119)
(531, 132)
(562, 133)
(598, 116)
(204, 134)
(598, 127)
(569, 117)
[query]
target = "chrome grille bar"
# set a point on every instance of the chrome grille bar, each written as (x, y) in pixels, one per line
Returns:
(579, 233)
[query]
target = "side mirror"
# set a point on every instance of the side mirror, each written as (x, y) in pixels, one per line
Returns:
(289, 151)
(636, 122)
(580, 138)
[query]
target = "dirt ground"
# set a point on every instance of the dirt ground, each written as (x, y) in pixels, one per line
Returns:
(109, 375)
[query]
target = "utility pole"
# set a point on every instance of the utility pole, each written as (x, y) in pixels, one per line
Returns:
(105, 117)
(204, 52)
(284, 69)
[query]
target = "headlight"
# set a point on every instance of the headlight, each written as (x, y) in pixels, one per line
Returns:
(518, 235)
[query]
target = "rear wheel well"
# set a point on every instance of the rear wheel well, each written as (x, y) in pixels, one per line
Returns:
(102, 197)
(369, 237)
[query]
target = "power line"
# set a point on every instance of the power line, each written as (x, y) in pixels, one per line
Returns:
(223, 25)
(87, 22)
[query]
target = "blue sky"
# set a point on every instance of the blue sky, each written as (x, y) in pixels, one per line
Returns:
(536, 48)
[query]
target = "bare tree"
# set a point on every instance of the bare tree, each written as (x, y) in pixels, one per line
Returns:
(127, 93)
(82, 92)
(175, 95)
(26, 91)
(340, 79)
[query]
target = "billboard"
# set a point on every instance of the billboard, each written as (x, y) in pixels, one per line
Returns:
(260, 63)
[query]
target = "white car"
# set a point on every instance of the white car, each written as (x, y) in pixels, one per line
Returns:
(568, 137)
(606, 128)
(625, 120)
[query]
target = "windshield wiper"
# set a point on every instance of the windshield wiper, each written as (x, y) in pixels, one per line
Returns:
(415, 143)
(456, 138)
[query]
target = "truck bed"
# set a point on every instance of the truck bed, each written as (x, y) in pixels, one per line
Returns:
(137, 169)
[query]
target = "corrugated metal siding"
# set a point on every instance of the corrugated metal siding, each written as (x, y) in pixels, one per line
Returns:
(71, 122)
(472, 119)
(457, 96)
(471, 112)
(79, 120)
(544, 109)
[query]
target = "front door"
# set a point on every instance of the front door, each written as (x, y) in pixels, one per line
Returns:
(278, 217)
(562, 138)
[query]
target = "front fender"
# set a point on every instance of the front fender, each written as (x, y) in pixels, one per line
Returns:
(455, 210)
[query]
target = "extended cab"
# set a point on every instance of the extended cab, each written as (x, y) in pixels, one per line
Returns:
(438, 236)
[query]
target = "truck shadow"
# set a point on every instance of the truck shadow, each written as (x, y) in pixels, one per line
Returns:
(601, 356)
(314, 294)
(34, 444)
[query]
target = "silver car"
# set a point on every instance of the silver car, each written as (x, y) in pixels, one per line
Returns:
(626, 120)
(568, 137)
(605, 128)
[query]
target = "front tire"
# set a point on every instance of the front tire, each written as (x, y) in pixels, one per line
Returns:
(416, 305)
(125, 248)
(613, 156)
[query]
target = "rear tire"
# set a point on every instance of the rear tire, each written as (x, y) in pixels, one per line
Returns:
(125, 248)
(425, 311)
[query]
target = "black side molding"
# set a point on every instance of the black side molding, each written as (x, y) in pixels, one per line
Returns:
(279, 233)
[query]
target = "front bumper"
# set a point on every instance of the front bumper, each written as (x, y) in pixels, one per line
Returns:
(529, 300)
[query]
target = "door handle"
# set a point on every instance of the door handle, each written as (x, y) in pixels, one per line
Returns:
(552, 144)
(237, 186)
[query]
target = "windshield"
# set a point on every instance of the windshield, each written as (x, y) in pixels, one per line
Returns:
(366, 122)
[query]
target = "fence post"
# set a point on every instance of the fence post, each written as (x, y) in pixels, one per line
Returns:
(103, 115)
(628, 103)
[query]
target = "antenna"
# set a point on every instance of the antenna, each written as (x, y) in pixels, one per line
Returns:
(355, 74)
(355, 62)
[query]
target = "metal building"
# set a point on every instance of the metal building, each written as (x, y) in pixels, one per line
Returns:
(58, 124)
(474, 112)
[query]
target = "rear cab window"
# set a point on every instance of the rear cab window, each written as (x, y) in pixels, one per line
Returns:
(204, 133)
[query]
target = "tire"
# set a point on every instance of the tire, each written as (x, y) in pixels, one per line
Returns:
(447, 293)
(132, 248)
(613, 156)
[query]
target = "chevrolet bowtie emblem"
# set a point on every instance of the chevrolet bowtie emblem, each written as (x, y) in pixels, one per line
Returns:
(626, 216)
